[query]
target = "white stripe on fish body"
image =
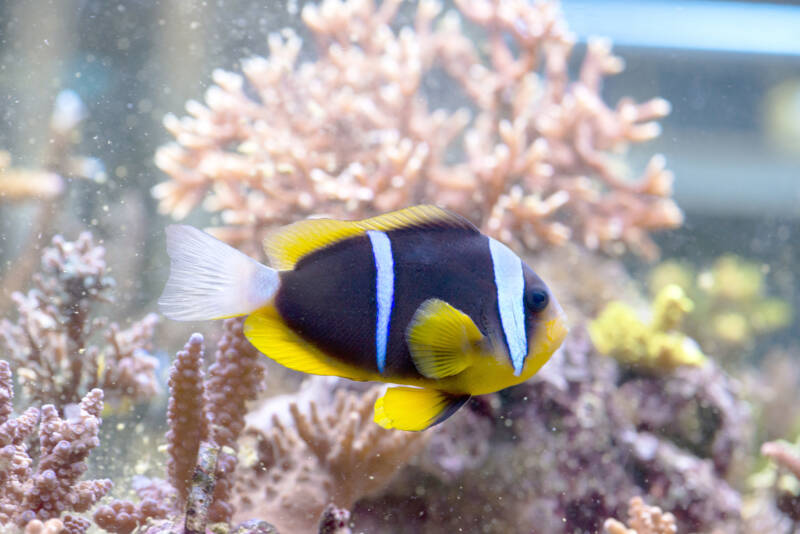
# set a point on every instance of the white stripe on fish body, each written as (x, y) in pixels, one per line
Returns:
(209, 279)
(384, 292)
(510, 283)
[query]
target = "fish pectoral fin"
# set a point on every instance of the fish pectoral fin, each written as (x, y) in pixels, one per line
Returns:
(267, 331)
(441, 339)
(414, 409)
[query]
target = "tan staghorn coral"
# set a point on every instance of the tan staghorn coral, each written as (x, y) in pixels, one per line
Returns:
(42, 493)
(531, 156)
(336, 455)
(54, 343)
(643, 519)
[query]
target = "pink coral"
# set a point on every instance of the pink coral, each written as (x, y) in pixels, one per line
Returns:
(355, 131)
(54, 341)
(64, 445)
(187, 422)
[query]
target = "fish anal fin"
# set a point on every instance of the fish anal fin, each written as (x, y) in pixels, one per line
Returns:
(441, 339)
(267, 331)
(415, 409)
(289, 244)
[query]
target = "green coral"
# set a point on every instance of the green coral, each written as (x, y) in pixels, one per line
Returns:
(732, 306)
(654, 346)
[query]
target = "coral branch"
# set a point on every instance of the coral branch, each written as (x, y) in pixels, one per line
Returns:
(784, 455)
(234, 379)
(187, 422)
(205, 416)
(643, 519)
(64, 445)
(53, 341)
(337, 455)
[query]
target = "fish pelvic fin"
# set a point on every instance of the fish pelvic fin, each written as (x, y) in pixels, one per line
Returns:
(442, 340)
(415, 409)
(209, 279)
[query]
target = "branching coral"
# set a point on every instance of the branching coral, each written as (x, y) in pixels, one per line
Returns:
(204, 408)
(733, 308)
(54, 342)
(653, 346)
(643, 519)
(338, 455)
(357, 131)
(42, 492)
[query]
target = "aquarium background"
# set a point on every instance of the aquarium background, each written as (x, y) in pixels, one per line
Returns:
(678, 383)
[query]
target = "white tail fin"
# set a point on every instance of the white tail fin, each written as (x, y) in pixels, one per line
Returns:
(211, 280)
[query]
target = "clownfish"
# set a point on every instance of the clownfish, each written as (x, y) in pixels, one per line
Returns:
(417, 297)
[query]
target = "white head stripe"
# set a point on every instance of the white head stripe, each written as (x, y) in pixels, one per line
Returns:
(384, 291)
(510, 284)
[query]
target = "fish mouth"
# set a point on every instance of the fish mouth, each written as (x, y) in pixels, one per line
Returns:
(555, 325)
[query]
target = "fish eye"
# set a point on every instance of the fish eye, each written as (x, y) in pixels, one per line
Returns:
(536, 300)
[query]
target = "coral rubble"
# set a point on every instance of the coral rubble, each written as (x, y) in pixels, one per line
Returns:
(531, 155)
(56, 341)
(37, 485)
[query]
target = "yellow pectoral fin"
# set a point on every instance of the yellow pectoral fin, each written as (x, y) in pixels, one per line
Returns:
(441, 339)
(415, 409)
(267, 331)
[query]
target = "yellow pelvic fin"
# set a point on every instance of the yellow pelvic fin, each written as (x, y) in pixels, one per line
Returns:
(441, 339)
(287, 245)
(415, 409)
(267, 331)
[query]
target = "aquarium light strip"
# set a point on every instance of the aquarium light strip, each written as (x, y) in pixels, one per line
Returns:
(702, 25)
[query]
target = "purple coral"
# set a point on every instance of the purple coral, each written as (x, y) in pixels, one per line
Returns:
(54, 341)
(64, 446)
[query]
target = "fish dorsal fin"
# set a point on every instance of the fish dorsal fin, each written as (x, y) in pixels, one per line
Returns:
(287, 245)
(415, 409)
(424, 216)
(441, 339)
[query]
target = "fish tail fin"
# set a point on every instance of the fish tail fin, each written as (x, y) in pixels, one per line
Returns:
(209, 279)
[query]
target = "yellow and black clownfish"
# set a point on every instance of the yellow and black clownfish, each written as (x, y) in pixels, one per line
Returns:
(417, 297)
